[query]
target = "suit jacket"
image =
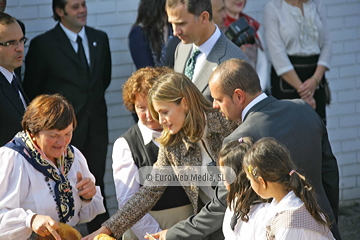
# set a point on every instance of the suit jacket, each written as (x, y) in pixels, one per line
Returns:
(52, 66)
(296, 125)
(11, 110)
(185, 153)
(223, 50)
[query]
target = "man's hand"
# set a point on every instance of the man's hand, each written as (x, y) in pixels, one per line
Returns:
(159, 235)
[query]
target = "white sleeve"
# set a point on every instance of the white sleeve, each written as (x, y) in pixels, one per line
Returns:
(88, 210)
(274, 42)
(262, 65)
(325, 47)
(14, 185)
(124, 172)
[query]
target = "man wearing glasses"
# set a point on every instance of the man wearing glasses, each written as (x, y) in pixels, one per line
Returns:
(74, 60)
(13, 100)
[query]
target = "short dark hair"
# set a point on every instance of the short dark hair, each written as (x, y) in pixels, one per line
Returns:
(237, 74)
(6, 19)
(58, 4)
(48, 112)
(195, 7)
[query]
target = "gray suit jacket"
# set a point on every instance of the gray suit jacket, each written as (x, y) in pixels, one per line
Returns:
(296, 125)
(223, 50)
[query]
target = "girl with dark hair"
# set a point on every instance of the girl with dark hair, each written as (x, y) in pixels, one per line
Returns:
(294, 212)
(246, 211)
(149, 34)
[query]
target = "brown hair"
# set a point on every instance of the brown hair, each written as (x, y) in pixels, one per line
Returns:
(173, 87)
(270, 160)
(140, 82)
(237, 74)
(6, 19)
(241, 196)
(48, 112)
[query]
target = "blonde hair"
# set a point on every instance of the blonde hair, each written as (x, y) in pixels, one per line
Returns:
(173, 87)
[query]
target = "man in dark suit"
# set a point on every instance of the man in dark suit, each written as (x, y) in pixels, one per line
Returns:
(74, 60)
(13, 100)
(193, 23)
(236, 90)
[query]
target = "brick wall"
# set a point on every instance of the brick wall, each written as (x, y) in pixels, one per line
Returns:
(115, 17)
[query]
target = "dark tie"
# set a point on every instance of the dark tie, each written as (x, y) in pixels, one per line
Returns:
(15, 85)
(81, 54)
(190, 63)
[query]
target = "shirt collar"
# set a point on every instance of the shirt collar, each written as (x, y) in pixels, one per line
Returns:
(209, 44)
(148, 134)
(251, 104)
(8, 75)
(71, 35)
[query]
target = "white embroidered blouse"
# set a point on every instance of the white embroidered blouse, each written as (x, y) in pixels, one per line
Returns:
(289, 32)
(24, 192)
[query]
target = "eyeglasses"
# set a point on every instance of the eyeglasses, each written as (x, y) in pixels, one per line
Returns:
(15, 43)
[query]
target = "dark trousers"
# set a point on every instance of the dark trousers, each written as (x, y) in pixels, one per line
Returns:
(95, 154)
(305, 68)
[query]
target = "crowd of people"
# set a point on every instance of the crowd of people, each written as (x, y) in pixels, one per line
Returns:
(203, 95)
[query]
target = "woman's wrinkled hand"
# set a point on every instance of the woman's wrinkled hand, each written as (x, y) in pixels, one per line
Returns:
(86, 188)
(44, 226)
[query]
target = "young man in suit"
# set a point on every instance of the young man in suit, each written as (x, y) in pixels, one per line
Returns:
(74, 60)
(13, 100)
(192, 22)
(236, 90)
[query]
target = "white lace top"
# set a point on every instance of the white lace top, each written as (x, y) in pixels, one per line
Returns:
(289, 32)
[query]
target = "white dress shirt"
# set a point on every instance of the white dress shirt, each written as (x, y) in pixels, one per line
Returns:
(125, 172)
(205, 49)
(251, 104)
(73, 37)
(9, 77)
(289, 32)
(24, 192)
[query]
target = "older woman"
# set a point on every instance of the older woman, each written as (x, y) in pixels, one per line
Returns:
(43, 179)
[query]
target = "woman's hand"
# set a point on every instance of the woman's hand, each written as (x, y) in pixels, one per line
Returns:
(159, 235)
(91, 236)
(45, 225)
(307, 88)
(86, 188)
(311, 101)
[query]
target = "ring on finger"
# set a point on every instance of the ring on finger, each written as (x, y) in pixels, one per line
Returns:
(309, 92)
(46, 231)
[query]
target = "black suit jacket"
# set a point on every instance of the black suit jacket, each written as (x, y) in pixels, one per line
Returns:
(11, 110)
(52, 66)
(296, 125)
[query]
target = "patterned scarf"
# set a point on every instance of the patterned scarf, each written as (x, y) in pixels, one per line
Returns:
(23, 144)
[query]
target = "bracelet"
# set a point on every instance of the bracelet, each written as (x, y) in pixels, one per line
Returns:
(85, 200)
(316, 80)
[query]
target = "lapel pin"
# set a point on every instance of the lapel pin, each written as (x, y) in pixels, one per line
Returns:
(94, 44)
